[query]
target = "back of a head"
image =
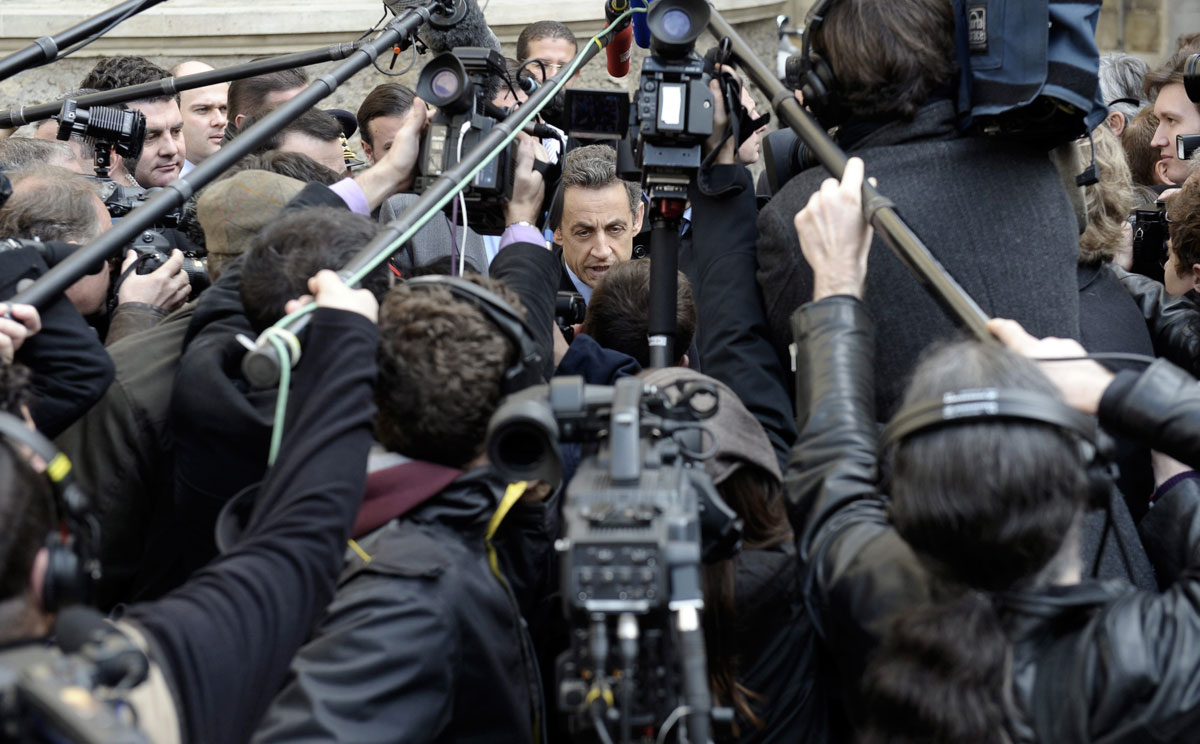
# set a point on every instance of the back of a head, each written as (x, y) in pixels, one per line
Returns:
(111, 73)
(889, 56)
(1121, 77)
(50, 203)
(295, 165)
(25, 153)
(987, 507)
(1135, 140)
(542, 30)
(1109, 201)
(294, 247)
(1183, 224)
(441, 370)
(1171, 71)
(312, 123)
(252, 95)
(388, 99)
(618, 313)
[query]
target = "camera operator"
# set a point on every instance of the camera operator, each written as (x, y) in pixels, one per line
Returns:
(994, 213)
(163, 149)
(54, 204)
(1176, 113)
(219, 646)
(988, 580)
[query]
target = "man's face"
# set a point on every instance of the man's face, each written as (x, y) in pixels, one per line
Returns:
(597, 230)
(204, 120)
(273, 99)
(326, 152)
(89, 292)
(164, 149)
(382, 131)
(1172, 281)
(1176, 115)
(554, 54)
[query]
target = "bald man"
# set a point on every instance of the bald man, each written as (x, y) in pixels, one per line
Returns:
(204, 115)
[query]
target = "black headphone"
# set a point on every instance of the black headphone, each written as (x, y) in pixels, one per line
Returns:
(526, 370)
(72, 568)
(991, 404)
(817, 81)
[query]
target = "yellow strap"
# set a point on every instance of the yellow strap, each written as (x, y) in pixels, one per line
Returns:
(366, 557)
(512, 495)
(58, 467)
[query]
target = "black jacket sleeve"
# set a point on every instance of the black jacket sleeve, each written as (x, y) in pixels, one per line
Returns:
(226, 637)
(533, 273)
(1160, 407)
(858, 573)
(1173, 322)
(71, 369)
(731, 324)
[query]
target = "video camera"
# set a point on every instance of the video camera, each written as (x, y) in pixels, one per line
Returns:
(461, 84)
(640, 515)
(1150, 240)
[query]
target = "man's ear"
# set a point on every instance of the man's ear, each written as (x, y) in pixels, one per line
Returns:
(684, 361)
(237, 120)
(368, 153)
(558, 235)
(1195, 277)
(637, 217)
(37, 574)
(1116, 122)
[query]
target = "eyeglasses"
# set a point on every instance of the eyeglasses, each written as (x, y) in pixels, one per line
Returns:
(551, 68)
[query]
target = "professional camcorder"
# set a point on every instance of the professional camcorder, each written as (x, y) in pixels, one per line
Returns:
(640, 515)
(461, 84)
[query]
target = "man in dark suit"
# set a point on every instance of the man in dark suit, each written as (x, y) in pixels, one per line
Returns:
(994, 213)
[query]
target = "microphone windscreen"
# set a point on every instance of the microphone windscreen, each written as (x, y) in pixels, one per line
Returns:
(77, 626)
(471, 31)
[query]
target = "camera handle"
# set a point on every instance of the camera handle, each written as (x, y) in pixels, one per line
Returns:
(665, 217)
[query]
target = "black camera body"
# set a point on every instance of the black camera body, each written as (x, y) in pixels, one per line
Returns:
(1150, 240)
(673, 111)
(640, 516)
(460, 84)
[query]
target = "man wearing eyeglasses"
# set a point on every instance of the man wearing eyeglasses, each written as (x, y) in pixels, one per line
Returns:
(545, 47)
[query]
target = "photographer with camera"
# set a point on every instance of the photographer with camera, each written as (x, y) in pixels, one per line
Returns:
(54, 204)
(989, 580)
(993, 212)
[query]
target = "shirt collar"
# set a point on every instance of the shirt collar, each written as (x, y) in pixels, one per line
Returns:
(584, 290)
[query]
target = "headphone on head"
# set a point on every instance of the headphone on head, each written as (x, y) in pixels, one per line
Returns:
(993, 405)
(526, 370)
(72, 568)
(817, 81)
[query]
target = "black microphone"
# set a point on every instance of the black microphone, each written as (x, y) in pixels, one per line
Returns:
(465, 27)
(83, 631)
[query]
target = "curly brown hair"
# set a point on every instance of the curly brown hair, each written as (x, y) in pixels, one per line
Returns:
(1183, 222)
(1109, 200)
(441, 365)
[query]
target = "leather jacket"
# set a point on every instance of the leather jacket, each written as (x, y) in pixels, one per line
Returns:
(1173, 322)
(1093, 662)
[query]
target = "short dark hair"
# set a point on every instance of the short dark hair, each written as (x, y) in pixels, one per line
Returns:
(441, 368)
(314, 123)
(51, 203)
(619, 311)
(249, 96)
(389, 99)
(592, 167)
(1135, 140)
(288, 251)
(1171, 71)
(111, 73)
(1183, 217)
(23, 153)
(295, 165)
(542, 30)
(888, 57)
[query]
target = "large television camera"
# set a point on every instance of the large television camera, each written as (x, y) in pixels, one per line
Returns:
(640, 516)
(461, 84)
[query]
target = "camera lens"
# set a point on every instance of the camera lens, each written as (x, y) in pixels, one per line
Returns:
(676, 24)
(445, 84)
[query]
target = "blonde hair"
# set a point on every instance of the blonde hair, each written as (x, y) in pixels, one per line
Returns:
(1109, 201)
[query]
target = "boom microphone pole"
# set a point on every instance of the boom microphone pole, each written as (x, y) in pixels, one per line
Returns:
(47, 48)
(51, 284)
(172, 85)
(879, 210)
(261, 366)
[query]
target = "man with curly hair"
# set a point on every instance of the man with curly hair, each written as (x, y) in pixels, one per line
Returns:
(426, 627)
(163, 150)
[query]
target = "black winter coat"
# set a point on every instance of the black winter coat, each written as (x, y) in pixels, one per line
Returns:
(996, 216)
(1091, 662)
